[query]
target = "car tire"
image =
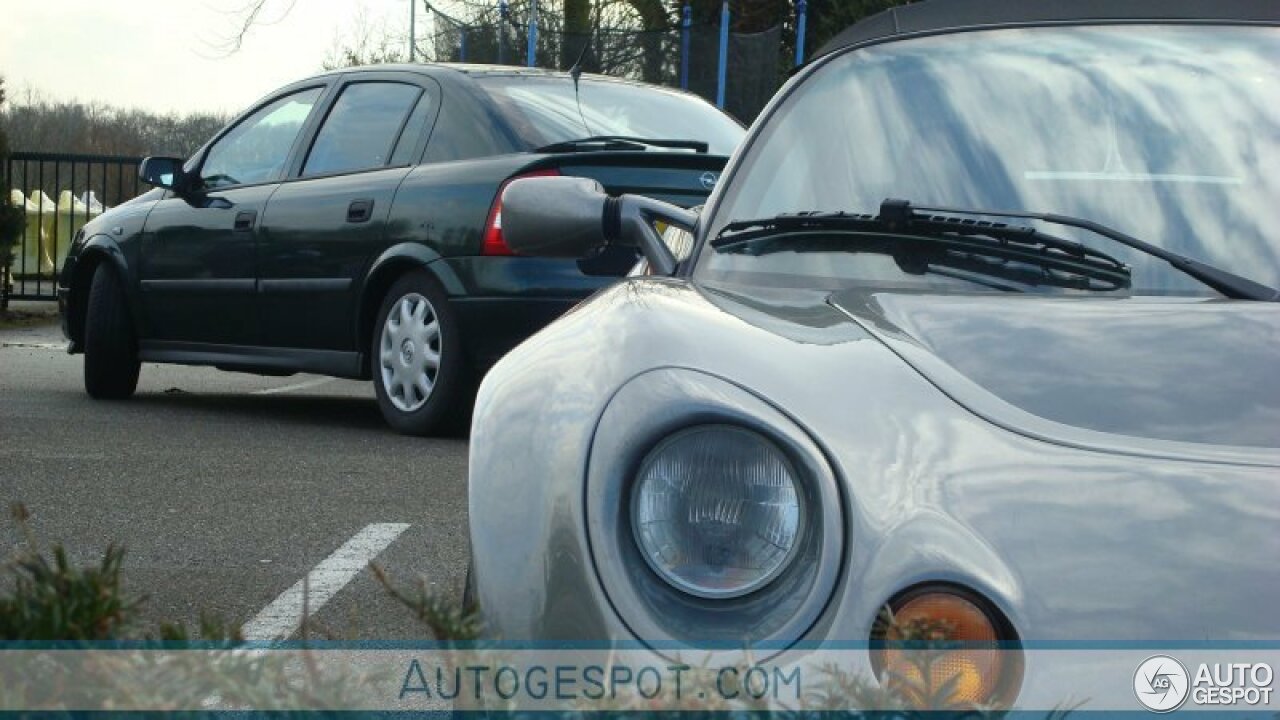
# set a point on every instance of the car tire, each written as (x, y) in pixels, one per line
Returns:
(416, 358)
(110, 346)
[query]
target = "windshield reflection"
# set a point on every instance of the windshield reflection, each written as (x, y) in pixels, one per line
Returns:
(1164, 132)
(545, 110)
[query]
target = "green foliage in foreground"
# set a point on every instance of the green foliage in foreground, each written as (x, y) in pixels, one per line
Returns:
(51, 599)
(54, 600)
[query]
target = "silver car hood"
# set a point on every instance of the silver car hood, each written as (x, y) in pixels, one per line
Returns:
(1186, 371)
(1075, 533)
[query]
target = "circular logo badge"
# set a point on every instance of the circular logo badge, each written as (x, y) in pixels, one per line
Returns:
(1161, 684)
(709, 180)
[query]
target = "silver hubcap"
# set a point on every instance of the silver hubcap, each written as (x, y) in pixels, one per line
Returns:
(410, 352)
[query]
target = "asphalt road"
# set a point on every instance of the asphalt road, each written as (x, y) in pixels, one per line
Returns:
(228, 489)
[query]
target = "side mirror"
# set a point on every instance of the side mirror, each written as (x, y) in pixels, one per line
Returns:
(163, 172)
(554, 216)
(570, 217)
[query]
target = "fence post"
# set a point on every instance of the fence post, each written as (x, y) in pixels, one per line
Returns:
(686, 21)
(724, 53)
(503, 13)
(802, 12)
(532, 52)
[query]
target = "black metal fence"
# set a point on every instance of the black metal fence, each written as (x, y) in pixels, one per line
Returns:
(693, 54)
(59, 193)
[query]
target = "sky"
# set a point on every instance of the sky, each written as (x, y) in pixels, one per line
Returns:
(168, 55)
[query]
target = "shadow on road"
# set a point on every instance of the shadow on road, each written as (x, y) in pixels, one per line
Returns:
(326, 411)
(345, 413)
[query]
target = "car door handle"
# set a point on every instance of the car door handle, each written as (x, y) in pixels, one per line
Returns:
(359, 211)
(244, 220)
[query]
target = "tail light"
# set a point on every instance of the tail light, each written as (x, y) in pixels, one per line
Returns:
(942, 648)
(493, 244)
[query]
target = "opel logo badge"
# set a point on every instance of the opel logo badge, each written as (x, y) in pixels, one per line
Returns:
(709, 180)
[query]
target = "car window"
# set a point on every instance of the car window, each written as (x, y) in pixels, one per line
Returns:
(546, 110)
(255, 150)
(361, 128)
(413, 131)
(462, 132)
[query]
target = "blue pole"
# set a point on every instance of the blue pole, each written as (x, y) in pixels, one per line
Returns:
(802, 12)
(724, 53)
(686, 21)
(462, 45)
(503, 10)
(532, 53)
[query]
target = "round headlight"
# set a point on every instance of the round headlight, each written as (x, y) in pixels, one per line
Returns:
(716, 511)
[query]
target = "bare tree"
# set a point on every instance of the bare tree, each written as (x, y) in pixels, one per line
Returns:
(244, 18)
(368, 43)
(41, 125)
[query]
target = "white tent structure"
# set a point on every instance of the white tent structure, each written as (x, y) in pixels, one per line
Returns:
(30, 258)
(72, 215)
(90, 198)
(41, 216)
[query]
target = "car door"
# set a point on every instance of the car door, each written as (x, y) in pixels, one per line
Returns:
(197, 264)
(323, 225)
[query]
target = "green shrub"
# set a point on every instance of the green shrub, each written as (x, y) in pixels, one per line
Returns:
(53, 600)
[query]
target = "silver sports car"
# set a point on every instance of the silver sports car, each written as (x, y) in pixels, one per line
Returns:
(980, 325)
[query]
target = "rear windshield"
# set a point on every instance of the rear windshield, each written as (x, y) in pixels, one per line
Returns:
(542, 111)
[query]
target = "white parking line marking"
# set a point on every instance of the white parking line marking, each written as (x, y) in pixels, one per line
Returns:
(35, 345)
(283, 616)
(314, 382)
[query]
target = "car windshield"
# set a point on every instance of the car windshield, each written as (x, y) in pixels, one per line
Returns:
(1170, 133)
(542, 111)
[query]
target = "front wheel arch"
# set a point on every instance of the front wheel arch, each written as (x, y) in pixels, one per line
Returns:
(97, 251)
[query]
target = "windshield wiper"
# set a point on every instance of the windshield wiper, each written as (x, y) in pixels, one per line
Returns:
(899, 216)
(921, 243)
(1226, 282)
(621, 142)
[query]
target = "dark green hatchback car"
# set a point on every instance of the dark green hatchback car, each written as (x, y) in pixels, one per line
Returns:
(350, 225)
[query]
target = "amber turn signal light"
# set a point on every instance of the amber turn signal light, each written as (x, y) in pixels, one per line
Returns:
(940, 648)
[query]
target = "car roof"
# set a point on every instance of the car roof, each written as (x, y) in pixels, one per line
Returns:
(953, 15)
(475, 70)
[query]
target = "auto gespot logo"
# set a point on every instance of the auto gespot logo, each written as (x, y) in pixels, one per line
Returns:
(1162, 684)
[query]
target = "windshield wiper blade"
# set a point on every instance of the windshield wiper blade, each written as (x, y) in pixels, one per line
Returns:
(901, 216)
(1226, 282)
(622, 142)
(918, 241)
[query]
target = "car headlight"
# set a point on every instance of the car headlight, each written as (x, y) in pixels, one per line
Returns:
(716, 511)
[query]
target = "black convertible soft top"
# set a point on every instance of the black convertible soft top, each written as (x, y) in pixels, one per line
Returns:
(942, 15)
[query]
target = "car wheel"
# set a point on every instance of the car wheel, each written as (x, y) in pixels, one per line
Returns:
(417, 358)
(110, 346)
